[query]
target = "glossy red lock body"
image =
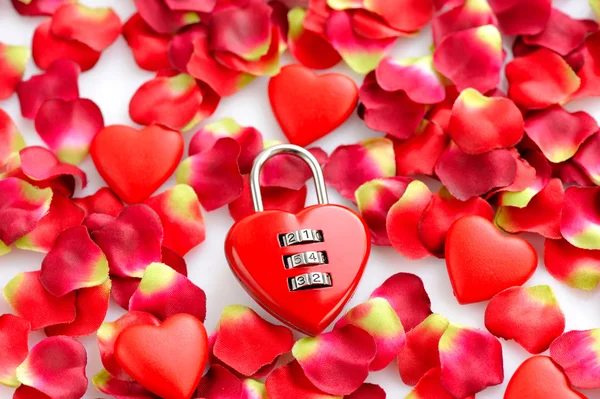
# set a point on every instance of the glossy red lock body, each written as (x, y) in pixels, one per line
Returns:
(256, 257)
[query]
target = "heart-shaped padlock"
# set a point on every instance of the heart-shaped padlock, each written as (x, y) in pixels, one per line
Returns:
(301, 268)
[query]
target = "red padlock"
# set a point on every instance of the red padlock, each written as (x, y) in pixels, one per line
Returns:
(301, 268)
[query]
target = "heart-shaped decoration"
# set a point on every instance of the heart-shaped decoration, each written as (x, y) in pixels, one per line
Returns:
(482, 262)
(258, 259)
(308, 106)
(167, 360)
(540, 378)
(134, 163)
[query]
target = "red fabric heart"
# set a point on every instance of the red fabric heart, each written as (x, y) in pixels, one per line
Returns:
(540, 378)
(134, 163)
(167, 360)
(308, 106)
(482, 262)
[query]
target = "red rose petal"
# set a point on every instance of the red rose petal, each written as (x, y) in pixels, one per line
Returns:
(393, 113)
(406, 293)
(370, 159)
(580, 218)
(402, 223)
(307, 47)
(541, 215)
(529, 315)
(275, 198)
(42, 168)
(380, 320)
(246, 342)
(420, 353)
(181, 217)
(120, 389)
(243, 29)
(419, 154)
(442, 212)
(68, 127)
(588, 75)
(471, 58)
(404, 15)
(562, 34)
(267, 64)
(289, 171)
(214, 174)
(58, 82)
(374, 200)
(430, 386)
(361, 53)
(368, 391)
(37, 7)
(25, 392)
(22, 206)
(162, 19)
(74, 262)
(13, 60)
(576, 352)
(56, 367)
(131, 241)
(522, 18)
(203, 66)
(336, 362)
(570, 173)
(373, 26)
(588, 160)
(92, 306)
(471, 360)
(107, 336)
(30, 300)
(497, 168)
(47, 48)
(181, 46)
(123, 288)
(102, 201)
(289, 381)
(558, 133)
(440, 113)
(11, 140)
(150, 49)
(204, 6)
(481, 124)
(163, 292)
(469, 14)
(576, 267)
(169, 101)
(14, 334)
(97, 28)
(415, 76)
(249, 139)
(524, 188)
(540, 79)
(219, 383)
(525, 177)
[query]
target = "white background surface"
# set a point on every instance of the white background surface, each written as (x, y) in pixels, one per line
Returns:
(111, 84)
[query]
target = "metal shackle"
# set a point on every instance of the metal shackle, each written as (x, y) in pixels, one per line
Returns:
(286, 149)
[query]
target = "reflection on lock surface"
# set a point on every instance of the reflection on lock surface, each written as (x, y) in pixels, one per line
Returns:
(301, 268)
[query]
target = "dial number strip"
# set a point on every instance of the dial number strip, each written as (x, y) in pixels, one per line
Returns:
(303, 236)
(309, 281)
(310, 258)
